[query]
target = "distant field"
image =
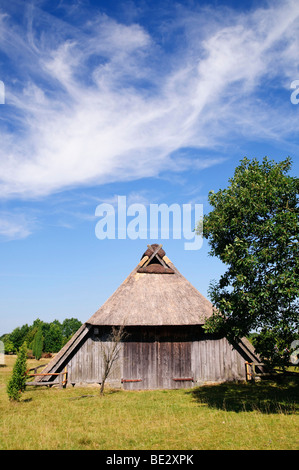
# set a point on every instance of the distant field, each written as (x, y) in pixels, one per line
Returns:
(227, 416)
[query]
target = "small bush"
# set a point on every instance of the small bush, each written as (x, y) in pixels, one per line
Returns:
(16, 384)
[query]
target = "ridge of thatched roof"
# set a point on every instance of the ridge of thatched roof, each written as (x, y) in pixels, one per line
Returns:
(154, 294)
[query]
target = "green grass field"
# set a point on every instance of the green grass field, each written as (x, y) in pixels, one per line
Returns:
(227, 416)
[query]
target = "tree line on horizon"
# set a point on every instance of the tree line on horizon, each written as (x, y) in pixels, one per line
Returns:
(41, 337)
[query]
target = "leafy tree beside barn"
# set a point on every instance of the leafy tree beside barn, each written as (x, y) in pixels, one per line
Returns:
(253, 230)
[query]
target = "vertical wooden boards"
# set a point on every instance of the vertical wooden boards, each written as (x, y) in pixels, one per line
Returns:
(156, 364)
(135, 365)
(86, 363)
(215, 360)
(158, 357)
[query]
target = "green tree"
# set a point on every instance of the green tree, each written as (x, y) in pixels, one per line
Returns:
(16, 384)
(32, 332)
(18, 336)
(8, 345)
(38, 342)
(69, 327)
(53, 337)
(253, 229)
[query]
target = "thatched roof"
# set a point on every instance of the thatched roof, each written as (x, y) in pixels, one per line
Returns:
(154, 293)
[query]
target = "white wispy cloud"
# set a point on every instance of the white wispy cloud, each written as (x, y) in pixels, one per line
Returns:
(105, 101)
(14, 226)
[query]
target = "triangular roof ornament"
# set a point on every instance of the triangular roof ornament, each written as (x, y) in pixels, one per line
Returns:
(154, 261)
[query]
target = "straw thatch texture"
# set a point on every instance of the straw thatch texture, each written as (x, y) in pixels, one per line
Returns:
(154, 299)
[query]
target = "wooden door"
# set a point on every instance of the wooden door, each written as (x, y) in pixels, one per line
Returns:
(139, 365)
(174, 364)
(157, 364)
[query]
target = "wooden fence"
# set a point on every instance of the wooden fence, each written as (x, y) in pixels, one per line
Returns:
(251, 370)
(62, 377)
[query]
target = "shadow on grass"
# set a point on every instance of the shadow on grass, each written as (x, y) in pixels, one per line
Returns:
(280, 396)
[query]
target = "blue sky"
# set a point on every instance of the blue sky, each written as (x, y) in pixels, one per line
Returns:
(157, 101)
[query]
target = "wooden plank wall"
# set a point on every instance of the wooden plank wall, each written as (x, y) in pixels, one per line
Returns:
(158, 363)
(86, 364)
(215, 360)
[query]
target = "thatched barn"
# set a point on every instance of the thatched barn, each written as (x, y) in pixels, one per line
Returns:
(165, 345)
